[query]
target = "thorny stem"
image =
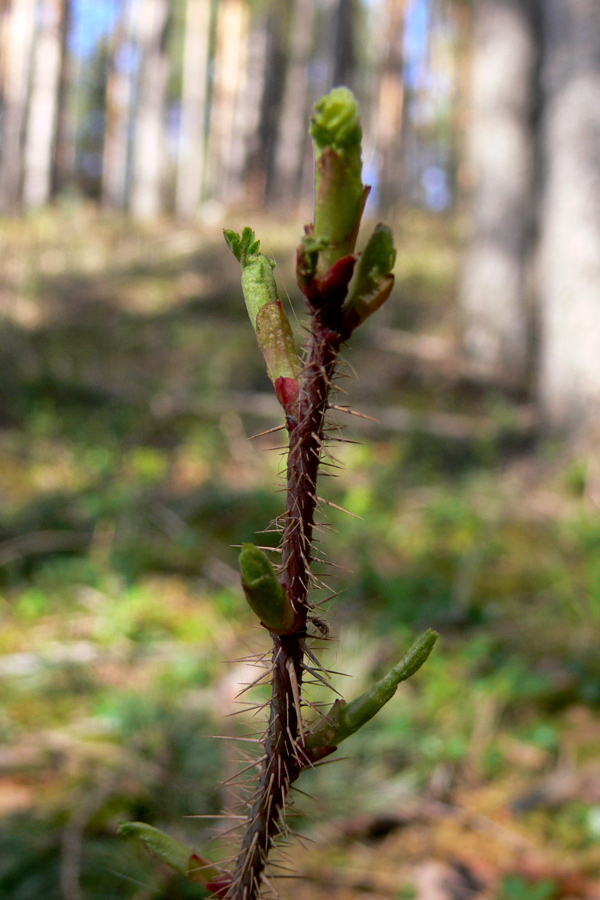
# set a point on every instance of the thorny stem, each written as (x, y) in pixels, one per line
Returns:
(338, 303)
(304, 455)
(284, 757)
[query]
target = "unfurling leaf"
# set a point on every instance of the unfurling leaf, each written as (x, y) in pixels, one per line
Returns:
(273, 330)
(242, 245)
(343, 719)
(265, 595)
(374, 279)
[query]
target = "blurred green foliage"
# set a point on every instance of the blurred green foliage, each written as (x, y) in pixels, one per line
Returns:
(516, 888)
(130, 387)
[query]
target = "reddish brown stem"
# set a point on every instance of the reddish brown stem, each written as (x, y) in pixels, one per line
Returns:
(304, 457)
(284, 757)
(282, 766)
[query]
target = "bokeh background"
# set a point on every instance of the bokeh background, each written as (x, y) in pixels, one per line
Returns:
(131, 133)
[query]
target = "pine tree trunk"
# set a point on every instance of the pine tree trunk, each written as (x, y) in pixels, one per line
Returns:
(292, 143)
(17, 39)
(344, 60)
(193, 108)
(262, 160)
(120, 88)
(390, 106)
(254, 187)
(223, 155)
(149, 132)
(43, 105)
(569, 383)
(64, 155)
(494, 284)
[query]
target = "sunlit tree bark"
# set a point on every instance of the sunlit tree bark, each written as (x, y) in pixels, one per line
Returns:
(388, 130)
(569, 267)
(149, 128)
(193, 108)
(64, 153)
(494, 284)
(43, 104)
(18, 25)
(119, 108)
(255, 79)
(225, 150)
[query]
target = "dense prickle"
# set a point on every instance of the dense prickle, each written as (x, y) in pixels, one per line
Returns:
(284, 745)
(304, 456)
(283, 763)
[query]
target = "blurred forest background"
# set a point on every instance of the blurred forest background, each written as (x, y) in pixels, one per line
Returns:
(131, 132)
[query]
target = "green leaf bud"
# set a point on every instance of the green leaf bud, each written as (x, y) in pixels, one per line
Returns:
(264, 593)
(268, 317)
(179, 857)
(339, 192)
(336, 123)
(164, 848)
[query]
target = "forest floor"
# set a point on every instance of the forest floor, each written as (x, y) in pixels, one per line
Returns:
(131, 383)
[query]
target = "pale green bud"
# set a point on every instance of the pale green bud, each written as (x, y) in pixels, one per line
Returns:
(339, 192)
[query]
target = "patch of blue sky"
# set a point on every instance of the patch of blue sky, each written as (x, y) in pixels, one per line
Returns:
(417, 22)
(92, 20)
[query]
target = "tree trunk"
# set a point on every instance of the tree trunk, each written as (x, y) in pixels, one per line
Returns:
(193, 108)
(149, 132)
(255, 79)
(223, 156)
(344, 59)
(262, 161)
(493, 291)
(17, 39)
(43, 105)
(120, 88)
(569, 382)
(292, 140)
(64, 155)
(390, 106)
